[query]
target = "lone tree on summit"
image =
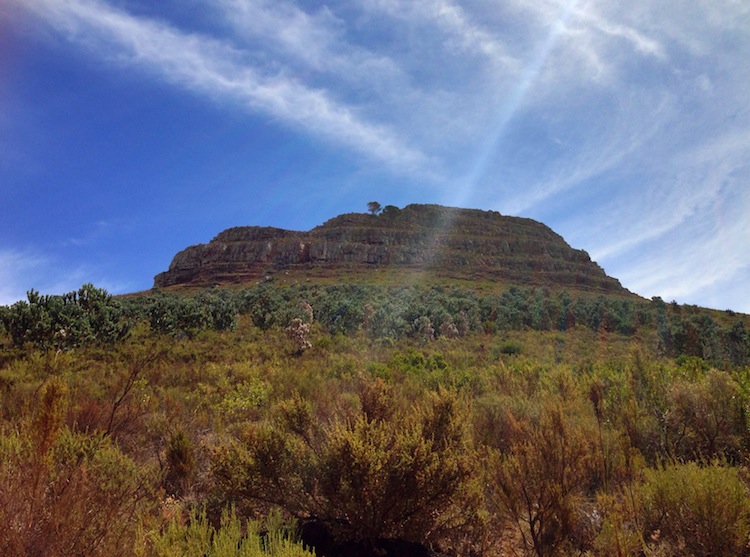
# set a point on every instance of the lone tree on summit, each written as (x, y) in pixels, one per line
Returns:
(374, 207)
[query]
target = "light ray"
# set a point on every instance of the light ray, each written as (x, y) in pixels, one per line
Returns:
(510, 106)
(507, 110)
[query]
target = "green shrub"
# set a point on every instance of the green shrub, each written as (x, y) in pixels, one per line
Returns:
(180, 462)
(383, 479)
(403, 476)
(539, 486)
(88, 315)
(64, 493)
(196, 537)
(697, 510)
(705, 416)
(511, 348)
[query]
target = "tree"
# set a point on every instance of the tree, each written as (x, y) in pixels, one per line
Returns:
(390, 211)
(374, 207)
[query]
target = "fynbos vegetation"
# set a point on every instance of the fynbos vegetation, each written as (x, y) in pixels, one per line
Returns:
(368, 420)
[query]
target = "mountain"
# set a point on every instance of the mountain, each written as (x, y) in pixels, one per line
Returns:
(446, 242)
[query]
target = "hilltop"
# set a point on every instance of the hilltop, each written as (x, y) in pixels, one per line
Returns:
(444, 242)
(324, 408)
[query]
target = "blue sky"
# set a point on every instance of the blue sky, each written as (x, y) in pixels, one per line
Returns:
(130, 129)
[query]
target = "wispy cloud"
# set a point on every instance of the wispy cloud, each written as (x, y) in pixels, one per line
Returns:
(627, 124)
(311, 43)
(696, 261)
(223, 71)
(586, 14)
(685, 236)
(16, 267)
(696, 187)
(96, 233)
(452, 20)
(23, 270)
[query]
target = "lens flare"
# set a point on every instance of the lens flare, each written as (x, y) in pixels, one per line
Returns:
(509, 106)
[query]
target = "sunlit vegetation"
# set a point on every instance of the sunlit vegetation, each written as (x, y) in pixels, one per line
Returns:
(369, 420)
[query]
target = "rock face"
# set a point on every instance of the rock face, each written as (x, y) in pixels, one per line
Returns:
(461, 243)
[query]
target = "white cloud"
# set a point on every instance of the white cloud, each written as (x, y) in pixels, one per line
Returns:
(219, 69)
(444, 14)
(313, 42)
(21, 271)
(586, 14)
(646, 102)
(699, 261)
(693, 188)
(16, 268)
(685, 236)
(24, 270)
(306, 37)
(469, 35)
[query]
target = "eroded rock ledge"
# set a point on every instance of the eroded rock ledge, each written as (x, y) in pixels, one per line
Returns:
(465, 243)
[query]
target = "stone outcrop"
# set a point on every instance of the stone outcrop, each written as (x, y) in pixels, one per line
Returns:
(463, 243)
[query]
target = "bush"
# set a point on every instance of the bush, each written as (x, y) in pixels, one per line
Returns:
(88, 315)
(65, 493)
(385, 479)
(196, 537)
(511, 348)
(696, 510)
(180, 462)
(367, 478)
(706, 417)
(539, 485)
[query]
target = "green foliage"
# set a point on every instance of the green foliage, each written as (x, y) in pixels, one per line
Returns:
(395, 479)
(539, 486)
(262, 304)
(365, 478)
(424, 313)
(64, 493)
(697, 334)
(390, 211)
(511, 348)
(181, 315)
(243, 399)
(737, 342)
(618, 533)
(180, 462)
(341, 308)
(373, 207)
(696, 510)
(198, 538)
(476, 423)
(86, 316)
(706, 416)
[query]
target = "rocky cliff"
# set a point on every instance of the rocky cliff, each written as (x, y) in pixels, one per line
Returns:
(464, 243)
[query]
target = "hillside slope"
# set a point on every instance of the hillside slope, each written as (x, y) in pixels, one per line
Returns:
(447, 242)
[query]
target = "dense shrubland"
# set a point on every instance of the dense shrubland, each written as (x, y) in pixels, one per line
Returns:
(91, 316)
(529, 422)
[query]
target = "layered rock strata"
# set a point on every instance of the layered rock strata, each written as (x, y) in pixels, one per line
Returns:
(464, 243)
